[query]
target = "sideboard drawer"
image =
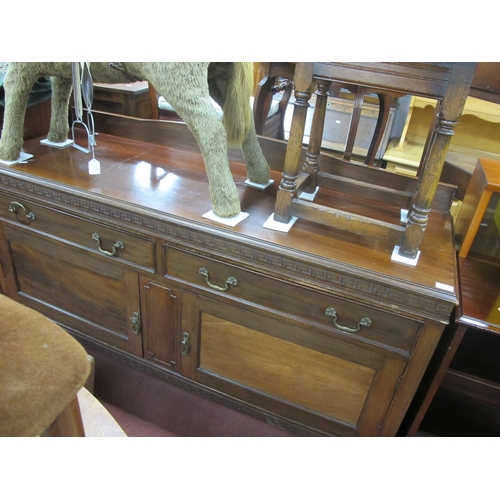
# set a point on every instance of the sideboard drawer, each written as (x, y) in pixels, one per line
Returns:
(104, 240)
(338, 315)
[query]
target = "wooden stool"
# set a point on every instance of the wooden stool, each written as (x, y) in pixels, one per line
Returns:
(449, 83)
(42, 368)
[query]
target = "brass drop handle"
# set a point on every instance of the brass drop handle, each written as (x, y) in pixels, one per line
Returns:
(185, 343)
(117, 246)
(136, 323)
(15, 205)
(366, 322)
(231, 281)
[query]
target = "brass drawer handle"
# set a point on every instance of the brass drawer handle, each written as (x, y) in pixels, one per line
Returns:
(117, 246)
(231, 281)
(136, 323)
(366, 322)
(185, 343)
(15, 205)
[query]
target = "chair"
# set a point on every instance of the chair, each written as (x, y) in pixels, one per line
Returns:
(42, 368)
(386, 100)
(449, 83)
(272, 96)
(278, 77)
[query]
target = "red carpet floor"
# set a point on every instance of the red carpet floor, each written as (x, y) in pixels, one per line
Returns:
(146, 406)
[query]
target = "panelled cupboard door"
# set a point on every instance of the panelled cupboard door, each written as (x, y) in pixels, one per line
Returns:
(88, 293)
(337, 387)
(160, 322)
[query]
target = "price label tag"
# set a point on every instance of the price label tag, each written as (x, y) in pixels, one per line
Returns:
(94, 167)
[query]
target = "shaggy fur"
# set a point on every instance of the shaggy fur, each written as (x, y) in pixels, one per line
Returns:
(186, 86)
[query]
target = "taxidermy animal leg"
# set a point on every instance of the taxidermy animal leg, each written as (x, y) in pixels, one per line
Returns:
(231, 87)
(185, 87)
(211, 136)
(17, 84)
(257, 166)
(59, 125)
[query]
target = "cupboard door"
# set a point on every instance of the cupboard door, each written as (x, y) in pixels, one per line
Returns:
(291, 371)
(160, 322)
(91, 295)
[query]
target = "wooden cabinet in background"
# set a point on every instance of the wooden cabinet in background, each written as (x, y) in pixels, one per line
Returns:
(129, 99)
(315, 330)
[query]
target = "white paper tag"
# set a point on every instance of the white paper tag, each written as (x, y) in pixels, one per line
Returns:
(94, 167)
(447, 288)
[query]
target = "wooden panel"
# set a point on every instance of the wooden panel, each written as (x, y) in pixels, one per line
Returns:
(429, 79)
(160, 322)
(323, 383)
(42, 276)
(473, 387)
(486, 82)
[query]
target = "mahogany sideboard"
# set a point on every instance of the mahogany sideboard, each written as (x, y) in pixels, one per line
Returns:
(315, 330)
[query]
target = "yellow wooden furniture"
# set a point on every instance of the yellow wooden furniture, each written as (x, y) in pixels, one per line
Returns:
(97, 421)
(475, 136)
(480, 211)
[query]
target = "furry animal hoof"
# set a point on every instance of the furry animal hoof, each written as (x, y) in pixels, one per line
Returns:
(10, 154)
(227, 213)
(225, 199)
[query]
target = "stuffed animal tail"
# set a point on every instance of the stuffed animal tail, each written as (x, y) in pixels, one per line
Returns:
(238, 114)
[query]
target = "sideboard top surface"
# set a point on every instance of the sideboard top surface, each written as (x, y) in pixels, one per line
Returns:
(170, 184)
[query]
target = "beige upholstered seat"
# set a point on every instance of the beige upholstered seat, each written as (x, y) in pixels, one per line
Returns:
(41, 370)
